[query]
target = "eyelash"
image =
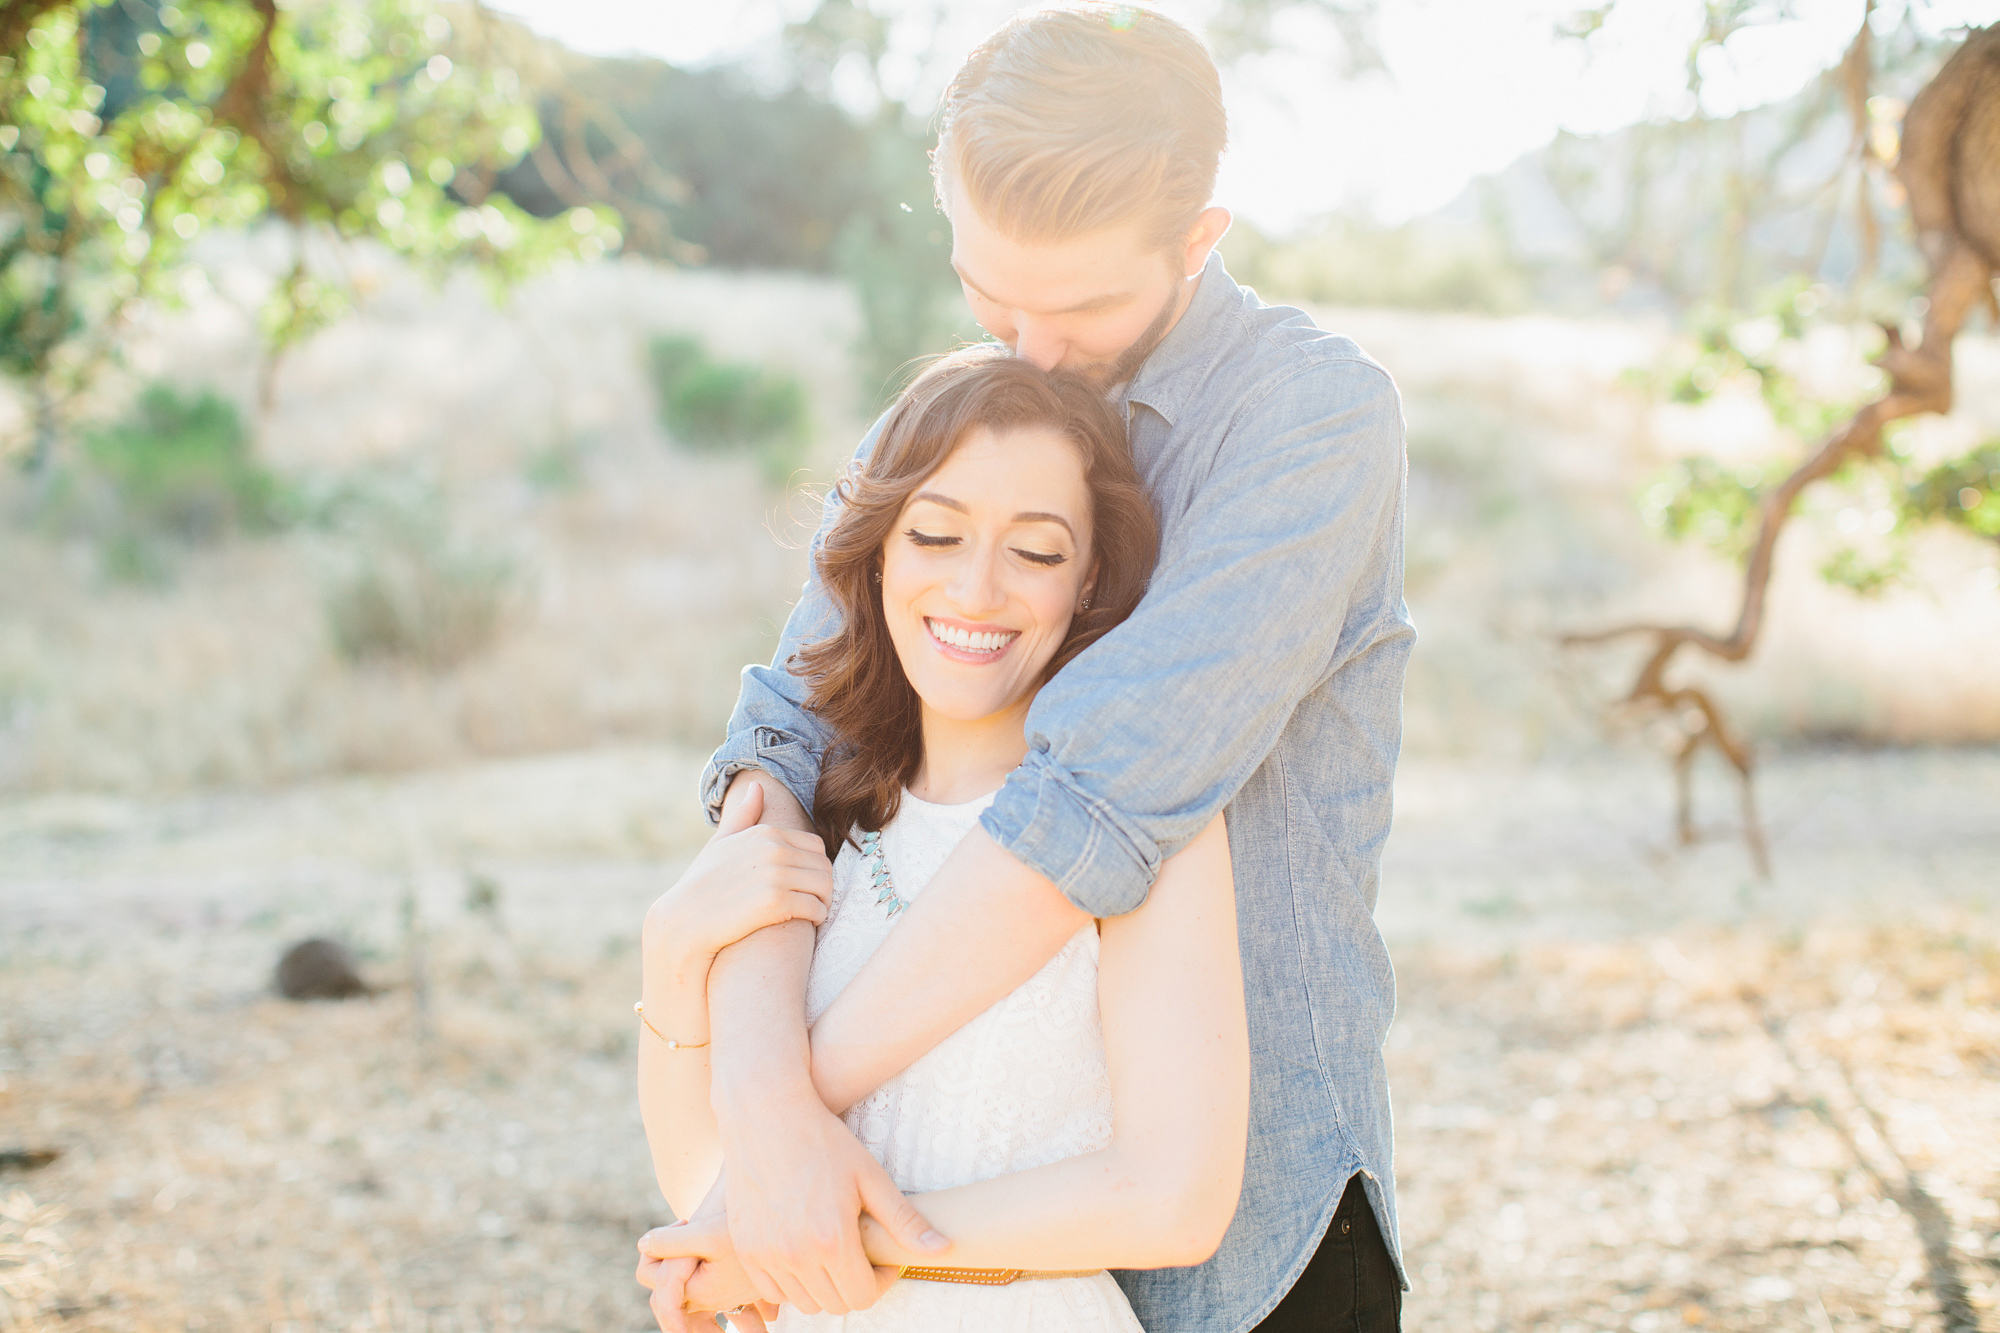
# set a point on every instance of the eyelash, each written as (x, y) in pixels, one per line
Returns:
(1048, 559)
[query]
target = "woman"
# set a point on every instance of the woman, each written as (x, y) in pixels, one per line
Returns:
(1094, 1118)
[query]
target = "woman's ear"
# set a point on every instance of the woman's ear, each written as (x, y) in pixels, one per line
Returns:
(1089, 587)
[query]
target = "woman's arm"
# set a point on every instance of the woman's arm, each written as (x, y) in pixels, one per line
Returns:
(924, 983)
(1170, 989)
(674, 1083)
(747, 877)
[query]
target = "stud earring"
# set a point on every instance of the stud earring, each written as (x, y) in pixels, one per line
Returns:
(878, 576)
(1083, 605)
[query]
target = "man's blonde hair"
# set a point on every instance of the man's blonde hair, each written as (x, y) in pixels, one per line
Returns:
(1072, 120)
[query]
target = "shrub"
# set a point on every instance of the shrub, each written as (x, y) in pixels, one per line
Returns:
(736, 405)
(729, 406)
(556, 467)
(182, 467)
(420, 603)
(409, 587)
(671, 356)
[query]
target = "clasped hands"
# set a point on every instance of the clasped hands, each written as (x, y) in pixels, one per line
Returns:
(693, 1271)
(799, 1185)
(801, 1191)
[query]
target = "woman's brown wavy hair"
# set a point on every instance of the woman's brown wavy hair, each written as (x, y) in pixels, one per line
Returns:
(858, 685)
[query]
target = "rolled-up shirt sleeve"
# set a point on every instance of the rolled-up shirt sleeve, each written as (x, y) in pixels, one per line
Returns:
(771, 728)
(1286, 562)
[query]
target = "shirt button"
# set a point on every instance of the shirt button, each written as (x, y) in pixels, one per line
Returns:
(1346, 1227)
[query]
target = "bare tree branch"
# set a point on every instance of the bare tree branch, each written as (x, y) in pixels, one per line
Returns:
(1947, 186)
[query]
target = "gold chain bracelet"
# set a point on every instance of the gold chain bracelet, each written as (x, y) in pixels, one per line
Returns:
(639, 1008)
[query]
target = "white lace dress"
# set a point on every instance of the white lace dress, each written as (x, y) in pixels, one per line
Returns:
(1020, 1086)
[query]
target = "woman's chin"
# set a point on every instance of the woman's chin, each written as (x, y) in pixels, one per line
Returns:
(972, 710)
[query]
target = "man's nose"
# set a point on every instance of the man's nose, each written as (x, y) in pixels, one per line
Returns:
(1037, 342)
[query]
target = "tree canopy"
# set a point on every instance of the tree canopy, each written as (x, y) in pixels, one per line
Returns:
(131, 127)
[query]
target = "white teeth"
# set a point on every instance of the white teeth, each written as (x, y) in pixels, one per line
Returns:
(985, 641)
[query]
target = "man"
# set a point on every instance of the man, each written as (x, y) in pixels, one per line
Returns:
(1262, 674)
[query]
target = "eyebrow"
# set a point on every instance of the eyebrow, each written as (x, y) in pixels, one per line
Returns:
(1103, 302)
(1038, 516)
(1025, 516)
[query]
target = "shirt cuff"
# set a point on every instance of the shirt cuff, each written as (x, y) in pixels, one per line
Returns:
(784, 756)
(1101, 861)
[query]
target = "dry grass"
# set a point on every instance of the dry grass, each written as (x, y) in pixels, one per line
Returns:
(1615, 1111)
(625, 627)
(648, 574)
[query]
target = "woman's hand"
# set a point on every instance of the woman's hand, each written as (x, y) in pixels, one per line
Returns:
(667, 1280)
(749, 876)
(691, 1269)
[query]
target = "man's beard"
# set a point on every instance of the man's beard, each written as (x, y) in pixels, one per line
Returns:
(1108, 375)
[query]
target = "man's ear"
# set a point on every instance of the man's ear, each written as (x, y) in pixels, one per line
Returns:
(1202, 238)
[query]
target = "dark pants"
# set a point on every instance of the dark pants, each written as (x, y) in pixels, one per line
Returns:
(1350, 1285)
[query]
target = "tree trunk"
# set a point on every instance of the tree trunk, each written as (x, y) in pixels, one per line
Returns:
(42, 445)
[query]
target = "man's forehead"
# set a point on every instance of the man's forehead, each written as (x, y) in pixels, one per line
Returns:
(1040, 289)
(1071, 276)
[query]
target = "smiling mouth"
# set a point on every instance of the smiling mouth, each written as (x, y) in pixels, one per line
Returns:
(971, 643)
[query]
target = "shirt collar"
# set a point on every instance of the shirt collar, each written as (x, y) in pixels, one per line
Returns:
(1172, 372)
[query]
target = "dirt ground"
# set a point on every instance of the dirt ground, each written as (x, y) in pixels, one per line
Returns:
(1636, 1088)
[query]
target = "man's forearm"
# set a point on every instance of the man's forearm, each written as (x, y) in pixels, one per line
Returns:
(780, 806)
(757, 1013)
(757, 990)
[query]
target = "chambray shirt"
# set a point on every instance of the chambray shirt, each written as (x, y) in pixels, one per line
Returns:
(1261, 675)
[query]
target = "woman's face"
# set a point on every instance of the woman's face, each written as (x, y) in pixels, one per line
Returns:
(985, 569)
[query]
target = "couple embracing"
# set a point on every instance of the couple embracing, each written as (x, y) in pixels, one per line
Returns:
(1031, 981)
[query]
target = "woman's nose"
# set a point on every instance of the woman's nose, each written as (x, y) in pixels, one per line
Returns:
(977, 587)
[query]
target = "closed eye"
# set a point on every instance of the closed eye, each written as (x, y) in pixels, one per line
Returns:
(1040, 557)
(929, 539)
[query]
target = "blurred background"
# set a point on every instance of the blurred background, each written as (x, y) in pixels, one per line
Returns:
(410, 423)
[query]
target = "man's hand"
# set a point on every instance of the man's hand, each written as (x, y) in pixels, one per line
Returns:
(798, 1184)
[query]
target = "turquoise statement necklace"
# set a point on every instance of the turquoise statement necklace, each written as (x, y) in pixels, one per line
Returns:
(878, 869)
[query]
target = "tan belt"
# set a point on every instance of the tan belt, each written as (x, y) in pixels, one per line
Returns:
(991, 1277)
